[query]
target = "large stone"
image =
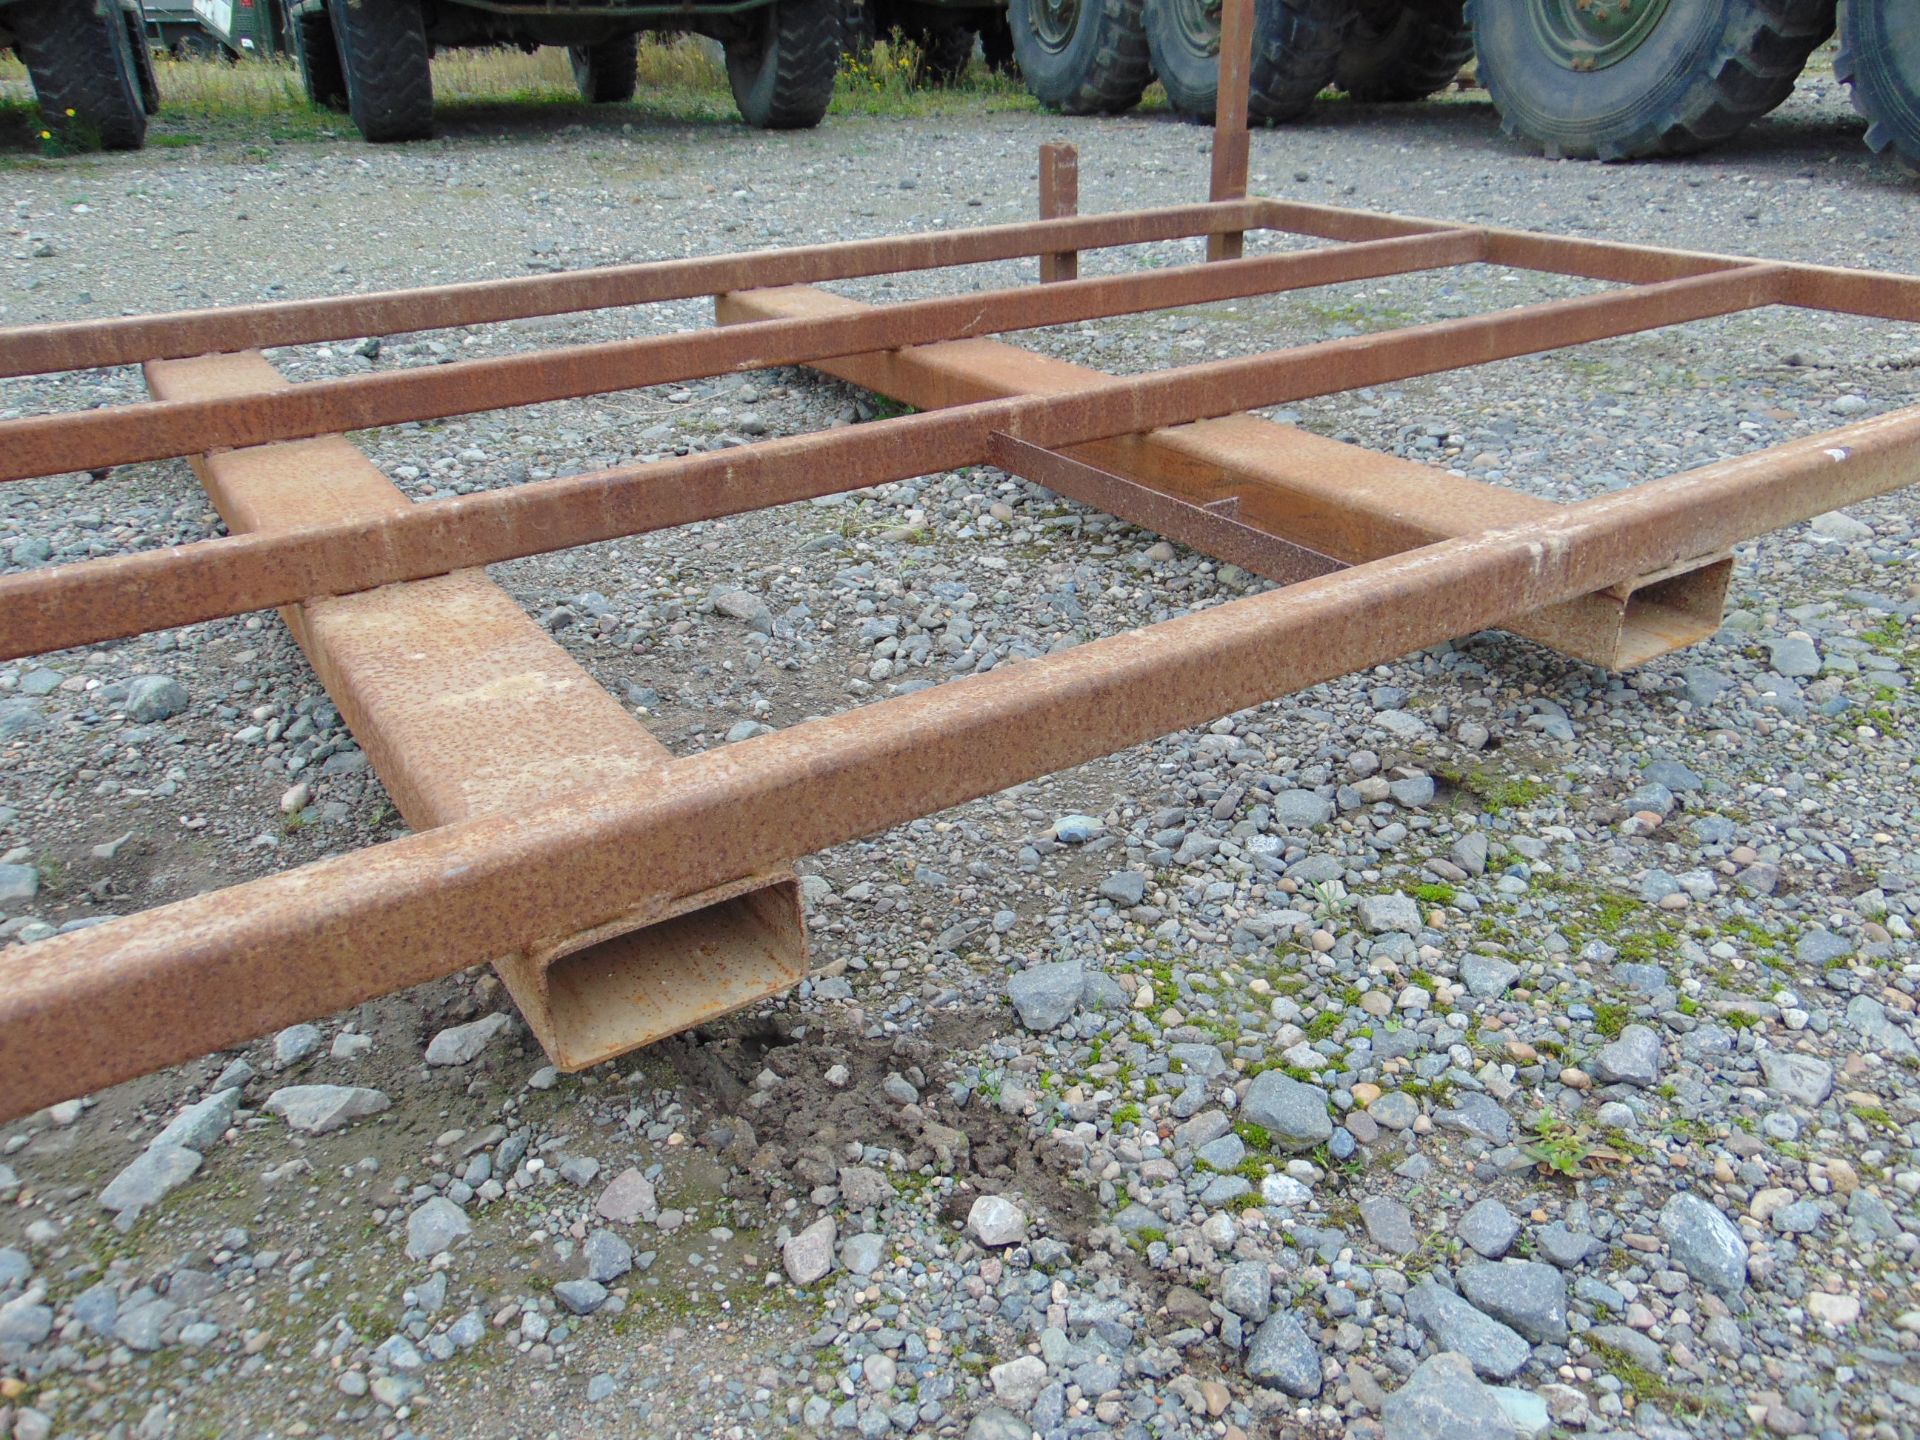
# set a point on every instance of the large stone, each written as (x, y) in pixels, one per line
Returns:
(1490, 1228)
(1868, 1017)
(863, 1187)
(1128, 888)
(200, 1124)
(1488, 977)
(1704, 1243)
(1633, 1059)
(1497, 1351)
(1301, 808)
(462, 1044)
(152, 698)
(1802, 1079)
(1525, 1295)
(24, 1320)
(1794, 656)
(1293, 1113)
(1018, 1383)
(1389, 1225)
(809, 1255)
(581, 1297)
(629, 1198)
(1382, 914)
(316, 1109)
(18, 885)
(294, 1044)
(1444, 1400)
(20, 716)
(435, 1226)
(608, 1256)
(1045, 995)
(1246, 1290)
(151, 1176)
(1284, 1357)
(995, 1220)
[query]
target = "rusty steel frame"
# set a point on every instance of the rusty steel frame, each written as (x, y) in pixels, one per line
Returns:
(601, 846)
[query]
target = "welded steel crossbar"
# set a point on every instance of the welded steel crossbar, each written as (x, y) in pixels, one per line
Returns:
(601, 892)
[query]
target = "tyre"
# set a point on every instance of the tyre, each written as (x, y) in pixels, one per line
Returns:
(1879, 63)
(607, 73)
(137, 46)
(858, 29)
(1082, 57)
(1664, 77)
(781, 67)
(996, 47)
(1403, 50)
(1296, 45)
(945, 53)
(387, 67)
(84, 71)
(318, 56)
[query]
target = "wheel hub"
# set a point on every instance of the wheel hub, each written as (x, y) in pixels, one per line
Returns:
(1198, 22)
(1593, 34)
(1054, 22)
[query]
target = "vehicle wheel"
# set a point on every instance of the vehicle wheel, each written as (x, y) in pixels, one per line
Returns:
(1665, 77)
(1879, 62)
(1404, 50)
(858, 30)
(607, 73)
(83, 70)
(996, 46)
(945, 53)
(1296, 44)
(781, 68)
(318, 55)
(387, 67)
(142, 52)
(1082, 57)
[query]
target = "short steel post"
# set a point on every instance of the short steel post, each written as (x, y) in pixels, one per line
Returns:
(1230, 120)
(1059, 196)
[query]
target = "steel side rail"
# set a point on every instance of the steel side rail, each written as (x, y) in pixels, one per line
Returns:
(84, 1010)
(86, 344)
(157, 430)
(128, 595)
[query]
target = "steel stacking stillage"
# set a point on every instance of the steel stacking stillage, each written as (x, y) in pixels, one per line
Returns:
(624, 892)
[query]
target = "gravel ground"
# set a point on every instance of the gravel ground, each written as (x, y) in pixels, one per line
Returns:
(1481, 1044)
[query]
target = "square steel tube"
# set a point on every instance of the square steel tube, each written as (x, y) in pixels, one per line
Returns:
(466, 708)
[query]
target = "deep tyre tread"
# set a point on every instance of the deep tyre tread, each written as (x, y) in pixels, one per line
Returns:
(1103, 69)
(1879, 63)
(1296, 49)
(1712, 68)
(1404, 50)
(781, 69)
(607, 73)
(388, 69)
(142, 53)
(79, 58)
(318, 56)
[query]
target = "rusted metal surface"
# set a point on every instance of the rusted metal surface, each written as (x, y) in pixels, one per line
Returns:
(61, 607)
(1208, 528)
(465, 707)
(124, 434)
(1228, 177)
(1342, 500)
(220, 968)
(1059, 196)
(85, 344)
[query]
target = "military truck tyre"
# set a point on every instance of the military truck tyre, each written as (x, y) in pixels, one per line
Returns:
(1684, 75)
(1296, 44)
(1082, 57)
(607, 73)
(318, 56)
(387, 65)
(781, 67)
(142, 52)
(1879, 62)
(80, 60)
(1404, 50)
(945, 53)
